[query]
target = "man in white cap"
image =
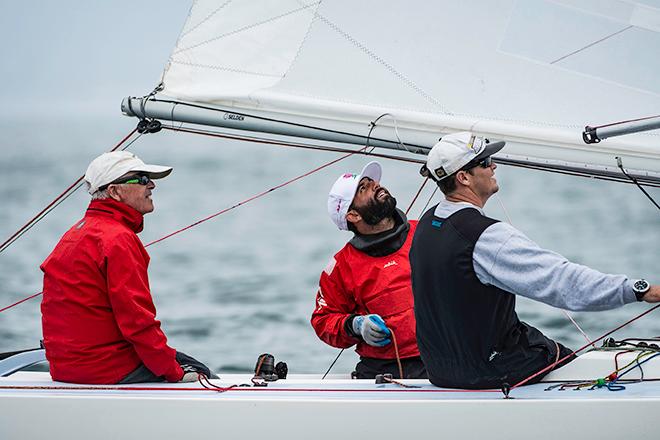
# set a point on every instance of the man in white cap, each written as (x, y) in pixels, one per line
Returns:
(365, 296)
(467, 269)
(98, 318)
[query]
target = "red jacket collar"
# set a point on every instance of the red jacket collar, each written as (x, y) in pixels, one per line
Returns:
(119, 211)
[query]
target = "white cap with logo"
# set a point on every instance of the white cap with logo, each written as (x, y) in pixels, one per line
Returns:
(343, 191)
(109, 167)
(456, 150)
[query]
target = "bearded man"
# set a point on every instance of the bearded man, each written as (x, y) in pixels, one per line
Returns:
(365, 293)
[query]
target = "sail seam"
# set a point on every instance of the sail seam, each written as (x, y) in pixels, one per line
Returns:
(245, 28)
(178, 40)
(207, 18)
(230, 69)
(304, 40)
(410, 83)
(590, 45)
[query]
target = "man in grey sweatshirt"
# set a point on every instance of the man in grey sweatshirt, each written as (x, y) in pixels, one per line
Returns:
(467, 269)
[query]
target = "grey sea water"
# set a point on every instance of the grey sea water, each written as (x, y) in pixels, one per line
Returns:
(244, 282)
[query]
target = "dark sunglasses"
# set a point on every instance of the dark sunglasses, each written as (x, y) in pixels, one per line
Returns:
(483, 163)
(131, 180)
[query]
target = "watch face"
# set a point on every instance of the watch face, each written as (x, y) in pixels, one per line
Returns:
(641, 286)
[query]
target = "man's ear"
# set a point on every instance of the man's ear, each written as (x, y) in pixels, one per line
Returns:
(352, 216)
(462, 178)
(114, 193)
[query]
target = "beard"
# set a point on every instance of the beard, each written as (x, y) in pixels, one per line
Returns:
(376, 210)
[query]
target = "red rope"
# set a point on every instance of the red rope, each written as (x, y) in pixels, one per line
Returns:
(396, 352)
(239, 388)
(21, 301)
(549, 367)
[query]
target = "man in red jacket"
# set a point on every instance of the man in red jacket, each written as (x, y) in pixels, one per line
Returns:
(98, 318)
(365, 293)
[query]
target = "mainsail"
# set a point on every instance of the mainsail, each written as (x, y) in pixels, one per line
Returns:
(533, 73)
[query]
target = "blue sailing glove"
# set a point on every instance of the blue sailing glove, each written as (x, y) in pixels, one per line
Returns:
(372, 329)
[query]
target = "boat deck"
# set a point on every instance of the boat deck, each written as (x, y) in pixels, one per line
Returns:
(304, 406)
(311, 387)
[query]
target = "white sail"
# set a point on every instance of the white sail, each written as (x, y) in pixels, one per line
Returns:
(531, 72)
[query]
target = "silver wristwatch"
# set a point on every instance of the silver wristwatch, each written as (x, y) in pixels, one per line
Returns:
(640, 287)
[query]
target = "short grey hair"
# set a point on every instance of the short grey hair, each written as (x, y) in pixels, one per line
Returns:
(99, 194)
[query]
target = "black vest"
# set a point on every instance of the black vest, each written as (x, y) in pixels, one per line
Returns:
(468, 333)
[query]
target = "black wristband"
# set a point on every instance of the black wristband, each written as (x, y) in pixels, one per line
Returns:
(348, 326)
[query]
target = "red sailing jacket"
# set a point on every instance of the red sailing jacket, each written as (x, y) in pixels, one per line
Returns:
(356, 283)
(98, 318)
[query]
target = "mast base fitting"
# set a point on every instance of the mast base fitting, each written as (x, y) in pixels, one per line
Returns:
(589, 135)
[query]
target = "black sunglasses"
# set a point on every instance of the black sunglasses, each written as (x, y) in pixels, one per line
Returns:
(483, 163)
(141, 179)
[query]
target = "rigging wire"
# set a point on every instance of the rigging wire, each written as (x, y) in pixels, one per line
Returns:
(333, 363)
(59, 199)
(19, 302)
(619, 163)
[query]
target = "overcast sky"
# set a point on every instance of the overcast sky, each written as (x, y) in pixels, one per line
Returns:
(83, 56)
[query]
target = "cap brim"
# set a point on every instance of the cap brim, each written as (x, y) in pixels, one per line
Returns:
(154, 171)
(372, 170)
(490, 149)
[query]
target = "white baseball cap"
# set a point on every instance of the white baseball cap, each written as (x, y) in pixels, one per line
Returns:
(343, 191)
(109, 167)
(456, 150)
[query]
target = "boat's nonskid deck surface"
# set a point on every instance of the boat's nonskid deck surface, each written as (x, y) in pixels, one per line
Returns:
(311, 387)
